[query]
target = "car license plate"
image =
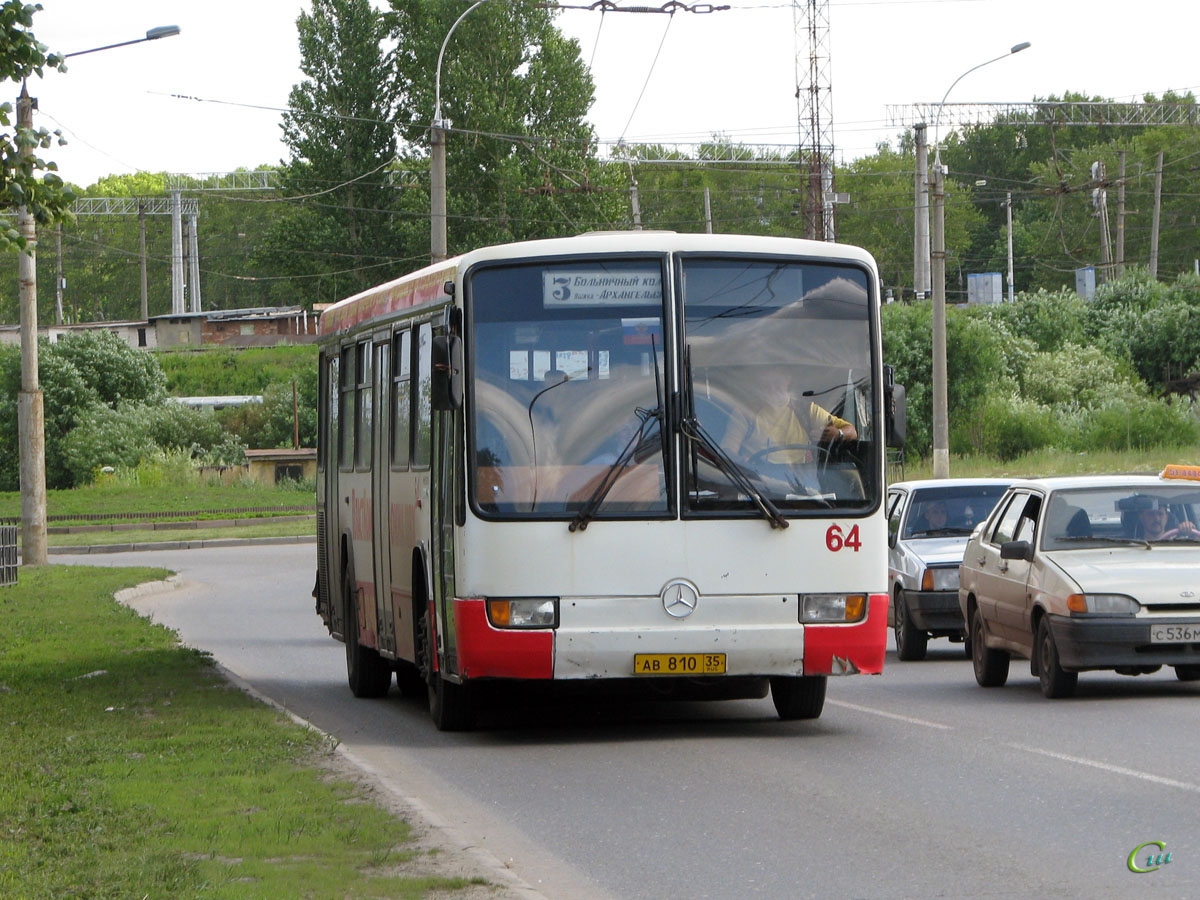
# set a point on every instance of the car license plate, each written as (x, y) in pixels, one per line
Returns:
(679, 664)
(1175, 634)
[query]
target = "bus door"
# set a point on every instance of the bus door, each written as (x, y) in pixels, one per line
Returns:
(327, 507)
(380, 494)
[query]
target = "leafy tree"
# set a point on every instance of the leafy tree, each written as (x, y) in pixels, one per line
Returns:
(521, 158)
(111, 367)
(27, 181)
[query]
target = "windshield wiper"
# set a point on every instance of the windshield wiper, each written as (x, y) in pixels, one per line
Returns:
(942, 532)
(635, 443)
(638, 440)
(1082, 538)
(692, 430)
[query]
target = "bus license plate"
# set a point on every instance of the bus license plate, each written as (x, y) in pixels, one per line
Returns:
(679, 664)
(1174, 634)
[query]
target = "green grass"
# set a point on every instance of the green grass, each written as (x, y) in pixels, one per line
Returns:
(148, 535)
(1055, 462)
(165, 499)
(131, 769)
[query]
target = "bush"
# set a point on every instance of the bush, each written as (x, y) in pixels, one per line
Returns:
(1007, 426)
(1136, 423)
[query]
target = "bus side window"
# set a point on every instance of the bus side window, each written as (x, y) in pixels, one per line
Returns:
(422, 405)
(401, 376)
(364, 401)
(347, 418)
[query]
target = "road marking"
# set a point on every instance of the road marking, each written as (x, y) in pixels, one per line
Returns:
(1108, 767)
(888, 715)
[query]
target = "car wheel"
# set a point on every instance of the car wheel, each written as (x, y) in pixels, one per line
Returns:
(1055, 681)
(368, 674)
(911, 642)
(991, 666)
(1187, 673)
(798, 697)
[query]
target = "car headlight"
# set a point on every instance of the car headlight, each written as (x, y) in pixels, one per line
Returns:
(523, 612)
(832, 607)
(1102, 605)
(940, 580)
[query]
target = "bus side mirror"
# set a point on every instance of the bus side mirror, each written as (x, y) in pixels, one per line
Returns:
(446, 389)
(895, 404)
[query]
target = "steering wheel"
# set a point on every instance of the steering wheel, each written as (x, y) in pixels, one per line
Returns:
(820, 454)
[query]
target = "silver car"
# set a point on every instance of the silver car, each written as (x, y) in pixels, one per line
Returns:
(1088, 572)
(928, 526)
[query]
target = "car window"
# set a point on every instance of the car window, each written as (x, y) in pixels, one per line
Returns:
(1016, 523)
(895, 509)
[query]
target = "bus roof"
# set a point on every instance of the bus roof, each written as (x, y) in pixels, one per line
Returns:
(426, 285)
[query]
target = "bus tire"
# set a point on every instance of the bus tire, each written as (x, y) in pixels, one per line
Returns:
(366, 671)
(450, 703)
(409, 679)
(798, 696)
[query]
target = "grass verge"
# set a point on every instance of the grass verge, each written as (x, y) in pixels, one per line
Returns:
(1056, 462)
(154, 536)
(131, 769)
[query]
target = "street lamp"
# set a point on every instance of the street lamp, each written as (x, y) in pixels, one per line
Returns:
(437, 153)
(31, 434)
(937, 265)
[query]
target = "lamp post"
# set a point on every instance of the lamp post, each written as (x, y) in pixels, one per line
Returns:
(437, 153)
(937, 266)
(31, 435)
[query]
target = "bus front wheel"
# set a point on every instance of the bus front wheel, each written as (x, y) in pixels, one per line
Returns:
(450, 703)
(798, 697)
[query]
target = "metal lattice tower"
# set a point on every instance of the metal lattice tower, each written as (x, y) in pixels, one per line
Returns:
(814, 107)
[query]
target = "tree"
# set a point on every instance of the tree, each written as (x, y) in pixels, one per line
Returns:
(44, 195)
(338, 231)
(521, 157)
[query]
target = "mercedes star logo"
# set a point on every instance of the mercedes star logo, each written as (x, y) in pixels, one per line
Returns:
(679, 598)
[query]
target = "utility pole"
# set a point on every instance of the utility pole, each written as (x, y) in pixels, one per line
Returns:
(1008, 212)
(30, 413)
(437, 188)
(1121, 216)
(58, 279)
(177, 305)
(941, 429)
(145, 308)
(635, 205)
(707, 212)
(1157, 215)
(921, 216)
(193, 265)
(1100, 202)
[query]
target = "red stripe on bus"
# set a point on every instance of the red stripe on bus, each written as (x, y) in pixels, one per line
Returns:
(487, 652)
(860, 647)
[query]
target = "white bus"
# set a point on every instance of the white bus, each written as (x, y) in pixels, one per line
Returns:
(535, 463)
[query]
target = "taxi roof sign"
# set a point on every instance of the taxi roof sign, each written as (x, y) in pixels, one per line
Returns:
(1191, 473)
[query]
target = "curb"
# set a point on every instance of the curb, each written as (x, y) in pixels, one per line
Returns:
(179, 545)
(451, 839)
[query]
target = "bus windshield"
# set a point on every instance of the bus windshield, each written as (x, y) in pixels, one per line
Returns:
(567, 387)
(778, 384)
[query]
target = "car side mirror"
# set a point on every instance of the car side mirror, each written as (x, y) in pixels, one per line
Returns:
(895, 404)
(1016, 550)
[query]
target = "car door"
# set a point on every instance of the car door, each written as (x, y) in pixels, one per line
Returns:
(994, 581)
(1012, 612)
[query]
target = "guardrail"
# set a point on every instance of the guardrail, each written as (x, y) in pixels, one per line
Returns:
(8, 554)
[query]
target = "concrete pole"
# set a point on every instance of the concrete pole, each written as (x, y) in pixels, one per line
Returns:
(177, 305)
(921, 215)
(193, 265)
(635, 204)
(31, 434)
(58, 278)
(937, 256)
(707, 212)
(1121, 216)
(1157, 216)
(1008, 211)
(437, 192)
(142, 259)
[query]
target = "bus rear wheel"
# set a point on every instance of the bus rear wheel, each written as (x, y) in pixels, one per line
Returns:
(798, 697)
(366, 671)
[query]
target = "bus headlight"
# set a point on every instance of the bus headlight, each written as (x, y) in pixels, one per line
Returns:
(523, 612)
(832, 607)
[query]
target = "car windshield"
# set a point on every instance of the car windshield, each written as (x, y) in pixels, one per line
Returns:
(1147, 515)
(950, 511)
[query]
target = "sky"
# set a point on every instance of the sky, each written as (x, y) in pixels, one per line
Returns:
(209, 99)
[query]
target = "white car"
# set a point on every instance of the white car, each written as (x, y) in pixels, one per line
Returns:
(1087, 572)
(928, 526)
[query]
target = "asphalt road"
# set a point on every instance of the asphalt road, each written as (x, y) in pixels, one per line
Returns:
(914, 784)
